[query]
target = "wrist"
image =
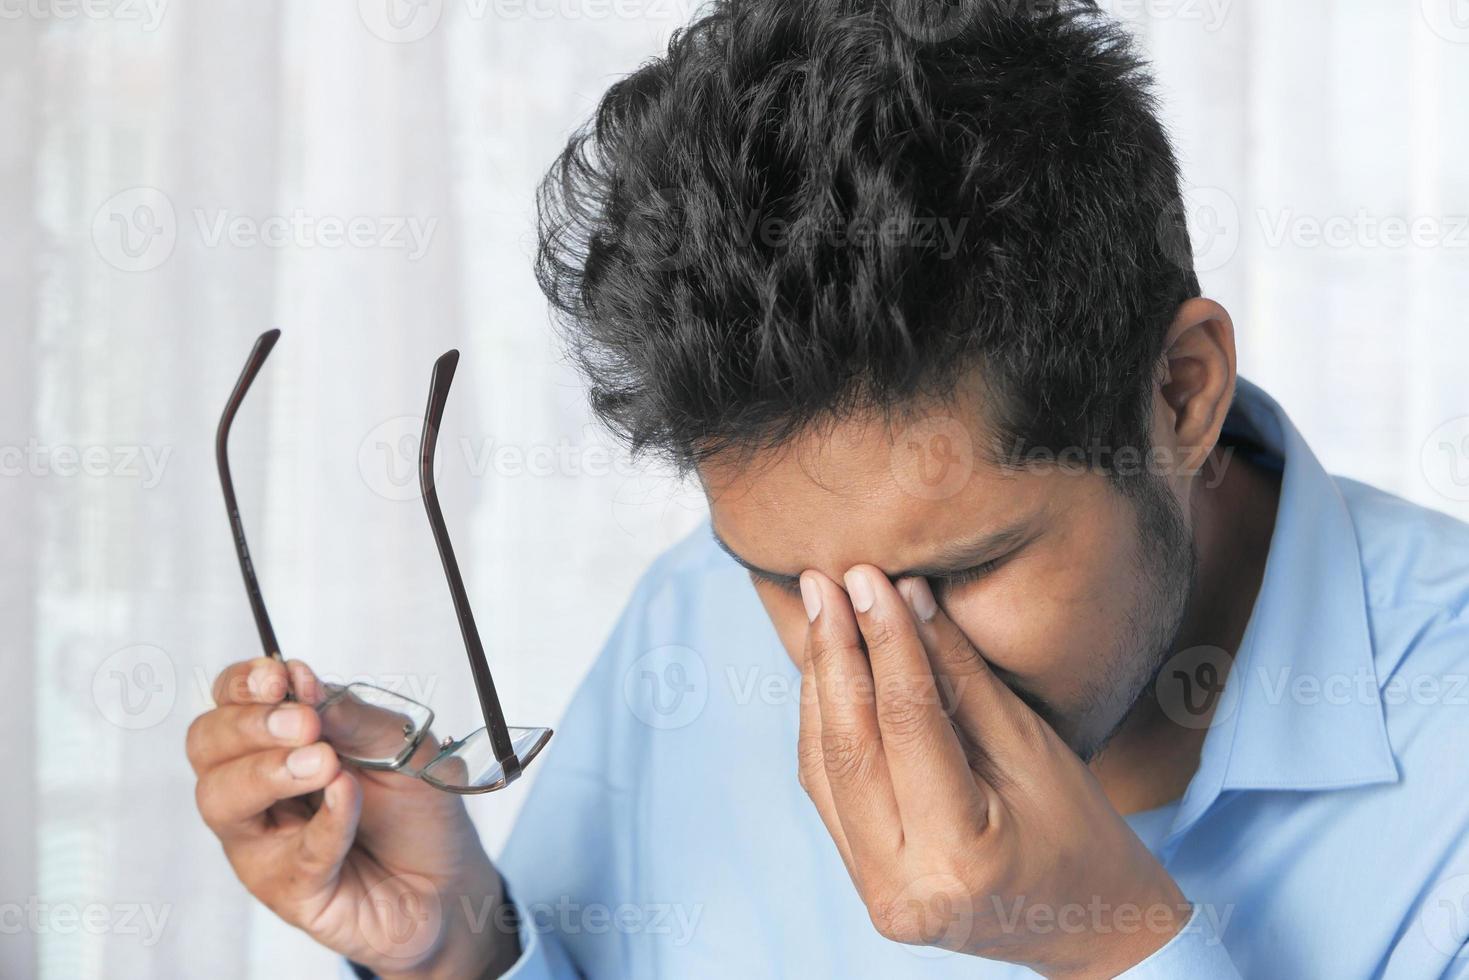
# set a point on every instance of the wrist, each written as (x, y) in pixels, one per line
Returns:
(479, 936)
(1123, 936)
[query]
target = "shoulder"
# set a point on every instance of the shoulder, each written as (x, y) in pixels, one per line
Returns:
(692, 576)
(692, 594)
(691, 562)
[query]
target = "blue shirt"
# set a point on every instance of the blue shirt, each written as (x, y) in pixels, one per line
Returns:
(1323, 835)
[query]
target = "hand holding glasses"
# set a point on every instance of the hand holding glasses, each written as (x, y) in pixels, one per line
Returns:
(371, 727)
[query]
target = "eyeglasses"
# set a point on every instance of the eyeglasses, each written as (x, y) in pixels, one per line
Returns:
(372, 727)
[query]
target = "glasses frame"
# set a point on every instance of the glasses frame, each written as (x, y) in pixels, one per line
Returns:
(484, 683)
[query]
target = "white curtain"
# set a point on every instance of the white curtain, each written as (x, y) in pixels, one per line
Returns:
(180, 176)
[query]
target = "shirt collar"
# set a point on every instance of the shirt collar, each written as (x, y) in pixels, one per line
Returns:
(1301, 707)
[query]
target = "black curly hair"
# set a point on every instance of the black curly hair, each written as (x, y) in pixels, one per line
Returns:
(810, 208)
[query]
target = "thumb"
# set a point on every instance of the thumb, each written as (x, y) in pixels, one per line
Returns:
(326, 838)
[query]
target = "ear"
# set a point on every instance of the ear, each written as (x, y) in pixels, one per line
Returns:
(1197, 383)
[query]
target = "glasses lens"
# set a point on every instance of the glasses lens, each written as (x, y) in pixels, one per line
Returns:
(470, 766)
(371, 726)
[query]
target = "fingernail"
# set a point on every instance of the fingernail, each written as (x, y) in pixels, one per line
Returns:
(859, 587)
(921, 600)
(304, 762)
(255, 681)
(284, 723)
(811, 597)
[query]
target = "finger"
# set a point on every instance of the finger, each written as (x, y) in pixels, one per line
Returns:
(241, 729)
(360, 726)
(233, 797)
(851, 744)
(811, 764)
(259, 681)
(304, 683)
(986, 711)
(326, 838)
(932, 781)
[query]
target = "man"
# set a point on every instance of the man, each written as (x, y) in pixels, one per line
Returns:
(1073, 659)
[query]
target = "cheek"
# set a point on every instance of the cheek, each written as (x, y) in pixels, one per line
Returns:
(788, 614)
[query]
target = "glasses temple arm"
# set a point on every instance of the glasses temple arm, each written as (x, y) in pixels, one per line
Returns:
(484, 684)
(253, 365)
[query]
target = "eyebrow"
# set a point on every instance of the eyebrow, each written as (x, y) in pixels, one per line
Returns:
(950, 560)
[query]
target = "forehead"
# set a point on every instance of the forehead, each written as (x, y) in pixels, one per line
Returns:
(892, 493)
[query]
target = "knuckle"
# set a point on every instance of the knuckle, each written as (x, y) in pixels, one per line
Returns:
(881, 634)
(903, 711)
(957, 656)
(845, 755)
(907, 703)
(892, 918)
(824, 650)
(808, 759)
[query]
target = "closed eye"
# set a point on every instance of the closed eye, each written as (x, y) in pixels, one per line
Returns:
(790, 586)
(941, 583)
(974, 573)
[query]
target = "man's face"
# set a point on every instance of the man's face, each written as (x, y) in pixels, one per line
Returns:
(1071, 590)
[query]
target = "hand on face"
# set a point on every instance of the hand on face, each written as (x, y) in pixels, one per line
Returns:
(963, 820)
